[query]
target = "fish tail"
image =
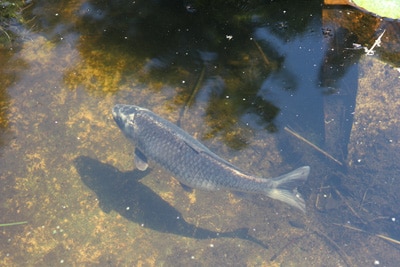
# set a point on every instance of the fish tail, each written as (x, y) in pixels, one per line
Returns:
(284, 188)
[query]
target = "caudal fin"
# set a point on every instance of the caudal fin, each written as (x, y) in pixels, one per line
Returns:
(283, 188)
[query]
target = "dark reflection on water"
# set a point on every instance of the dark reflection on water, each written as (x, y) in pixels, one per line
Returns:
(250, 46)
(276, 60)
(123, 193)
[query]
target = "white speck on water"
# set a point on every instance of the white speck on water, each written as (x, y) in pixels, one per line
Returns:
(192, 257)
(127, 208)
(359, 160)
(61, 261)
(177, 217)
(376, 262)
(183, 81)
(393, 219)
(227, 96)
(142, 225)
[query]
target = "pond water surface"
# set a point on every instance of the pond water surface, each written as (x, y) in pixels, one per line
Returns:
(268, 86)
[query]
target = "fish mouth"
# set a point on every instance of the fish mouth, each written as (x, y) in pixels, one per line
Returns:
(120, 114)
(123, 113)
(125, 110)
(116, 114)
(116, 111)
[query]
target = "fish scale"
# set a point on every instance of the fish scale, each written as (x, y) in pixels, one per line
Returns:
(192, 163)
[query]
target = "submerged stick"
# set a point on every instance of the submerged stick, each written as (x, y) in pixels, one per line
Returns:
(192, 96)
(348, 205)
(264, 57)
(11, 224)
(312, 145)
(361, 230)
(286, 246)
(340, 251)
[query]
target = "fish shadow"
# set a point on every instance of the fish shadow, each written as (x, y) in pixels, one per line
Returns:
(123, 193)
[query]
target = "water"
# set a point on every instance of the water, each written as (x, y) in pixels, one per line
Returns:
(256, 82)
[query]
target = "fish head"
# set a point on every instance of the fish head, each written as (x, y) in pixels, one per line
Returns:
(124, 116)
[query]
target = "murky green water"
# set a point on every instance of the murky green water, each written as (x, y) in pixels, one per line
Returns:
(267, 86)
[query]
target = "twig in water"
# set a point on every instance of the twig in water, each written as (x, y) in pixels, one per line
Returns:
(193, 94)
(377, 235)
(370, 52)
(264, 57)
(340, 251)
(348, 205)
(11, 224)
(286, 246)
(312, 145)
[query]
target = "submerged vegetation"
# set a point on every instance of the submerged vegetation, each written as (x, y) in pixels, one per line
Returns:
(10, 12)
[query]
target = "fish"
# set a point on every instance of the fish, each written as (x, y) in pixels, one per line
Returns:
(158, 140)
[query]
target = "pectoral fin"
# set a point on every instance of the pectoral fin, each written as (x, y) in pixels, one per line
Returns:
(140, 160)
